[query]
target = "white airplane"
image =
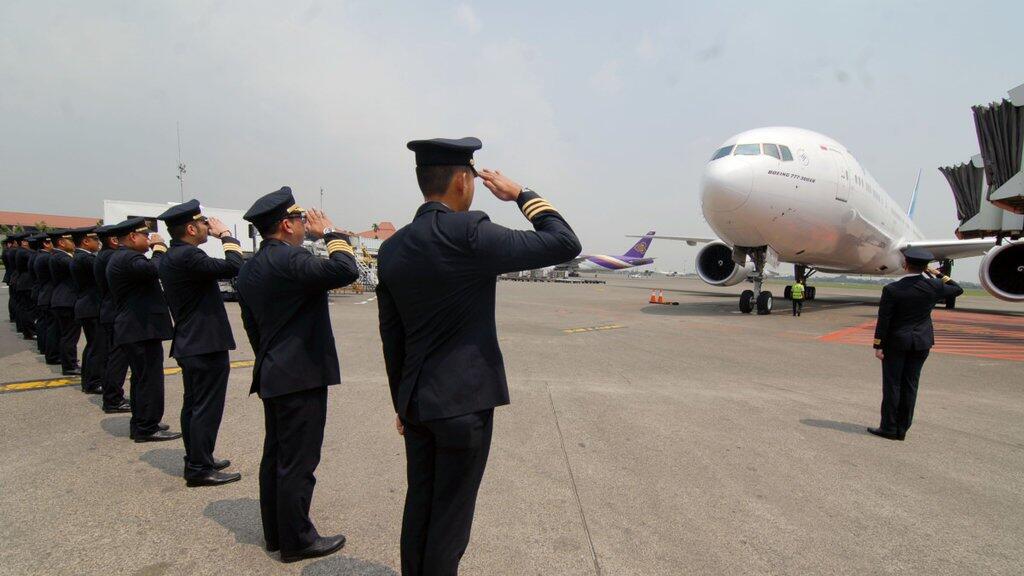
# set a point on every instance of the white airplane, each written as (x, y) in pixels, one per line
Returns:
(791, 195)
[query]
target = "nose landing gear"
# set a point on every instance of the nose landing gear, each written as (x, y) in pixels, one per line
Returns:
(762, 299)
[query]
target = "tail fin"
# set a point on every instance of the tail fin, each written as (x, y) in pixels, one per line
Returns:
(640, 248)
(913, 197)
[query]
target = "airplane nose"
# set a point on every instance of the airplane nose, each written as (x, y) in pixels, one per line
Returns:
(727, 184)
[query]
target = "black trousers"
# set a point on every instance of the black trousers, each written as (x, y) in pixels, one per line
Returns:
(901, 370)
(12, 310)
(95, 343)
(445, 461)
(798, 307)
(112, 363)
(48, 332)
(69, 331)
(146, 359)
(291, 452)
(26, 311)
(206, 384)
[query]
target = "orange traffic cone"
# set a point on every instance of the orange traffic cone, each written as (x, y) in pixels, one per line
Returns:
(654, 298)
(661, 296)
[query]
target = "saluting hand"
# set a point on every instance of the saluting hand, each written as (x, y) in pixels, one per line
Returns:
(501, 186)
(317, 222)
(217, 228)
(155, 239)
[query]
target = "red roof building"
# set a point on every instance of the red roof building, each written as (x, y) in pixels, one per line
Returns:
(383, 232)
(30, 220)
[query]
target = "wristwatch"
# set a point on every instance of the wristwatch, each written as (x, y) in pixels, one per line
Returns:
(329, 230)
(525, 189)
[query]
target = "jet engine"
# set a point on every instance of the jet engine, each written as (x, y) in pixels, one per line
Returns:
(1002, 271)
(716, 266)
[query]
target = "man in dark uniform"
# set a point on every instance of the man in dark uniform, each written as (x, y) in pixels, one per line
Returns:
(10, 248)
(46, 323)
(111, 361)
(87, 307)
(904, 335)
(283, 295)
(25, 287)
(141, 324)
(202, 334)
(62, 302)
(436, 300)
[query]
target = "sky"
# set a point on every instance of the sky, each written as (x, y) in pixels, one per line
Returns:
(609, 110)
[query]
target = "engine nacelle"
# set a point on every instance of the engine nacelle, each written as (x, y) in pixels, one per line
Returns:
(1002, 271)
(716, 267)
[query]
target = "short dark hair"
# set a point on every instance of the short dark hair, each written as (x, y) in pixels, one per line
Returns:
(916, 266)
(434, 180)
(178, 231)
(270, 229)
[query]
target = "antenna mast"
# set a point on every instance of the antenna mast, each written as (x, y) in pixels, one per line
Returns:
(181, 165)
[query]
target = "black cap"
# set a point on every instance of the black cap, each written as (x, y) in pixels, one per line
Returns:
(272, 208)
(15, 237)
(104, 231)
(445, 151)
(137, 224)
(918, 256)
(181, 213)
(77, 234)
(36, 240)
(58, 234)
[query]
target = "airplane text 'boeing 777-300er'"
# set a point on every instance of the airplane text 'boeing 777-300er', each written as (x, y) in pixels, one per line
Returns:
(792, 195)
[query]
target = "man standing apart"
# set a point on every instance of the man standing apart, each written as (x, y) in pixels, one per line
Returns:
(111, 361)
(436, 297)
(796, 294)
(141, 324)
(62, 303)
(202, 334)
(283, 295)
(904, 335)
(87, 306)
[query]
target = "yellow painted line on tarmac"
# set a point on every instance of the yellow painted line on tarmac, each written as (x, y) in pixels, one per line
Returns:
(74, 380)
(592, 328)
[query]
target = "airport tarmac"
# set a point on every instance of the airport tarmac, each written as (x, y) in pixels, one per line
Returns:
(641, 439)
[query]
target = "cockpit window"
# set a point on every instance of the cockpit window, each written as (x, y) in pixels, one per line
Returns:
(723, 151)
(748, 150)
(786, 154)
(771, 150)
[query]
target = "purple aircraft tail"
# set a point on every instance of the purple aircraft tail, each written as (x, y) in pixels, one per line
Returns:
(639, 250)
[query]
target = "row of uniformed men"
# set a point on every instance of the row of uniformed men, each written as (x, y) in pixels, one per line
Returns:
(436, 301)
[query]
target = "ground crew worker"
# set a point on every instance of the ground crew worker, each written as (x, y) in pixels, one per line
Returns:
(904, 335)
(46, 324)
(111, 360)
(62, 302)
(87, 307)
(436, 304)
(202, 334)
(141, 324)
(283, 296)
(796, 293)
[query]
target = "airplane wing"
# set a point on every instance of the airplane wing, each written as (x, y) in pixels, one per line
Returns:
(689, 240)
(953, 249)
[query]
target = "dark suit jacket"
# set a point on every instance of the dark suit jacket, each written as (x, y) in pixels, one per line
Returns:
(141, 312)
(99, 271)
(282, 291)
(64, 293)
(189, 277)
(8, 264)
(436, 302)
(88, 303)
(41, 272)
(21, 280)
(905, 312)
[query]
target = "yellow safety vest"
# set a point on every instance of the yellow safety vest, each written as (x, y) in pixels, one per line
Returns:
(797, 291)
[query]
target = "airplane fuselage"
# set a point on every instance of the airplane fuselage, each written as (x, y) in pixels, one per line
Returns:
(807, 198)
(604, 262)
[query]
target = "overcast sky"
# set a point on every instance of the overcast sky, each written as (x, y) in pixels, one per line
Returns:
(611, 113)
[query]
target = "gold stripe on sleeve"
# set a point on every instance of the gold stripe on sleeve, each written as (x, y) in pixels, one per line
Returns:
(878, 341)
(232, 247)
(159, 248)
(338, 245)
(529, 203)
(539, 208)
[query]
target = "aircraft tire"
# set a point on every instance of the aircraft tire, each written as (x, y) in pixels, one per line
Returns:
(809, 293)
(787, 293)
(747, 301)
(764, 303)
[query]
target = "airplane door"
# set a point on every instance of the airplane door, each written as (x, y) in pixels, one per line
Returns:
(842, 176)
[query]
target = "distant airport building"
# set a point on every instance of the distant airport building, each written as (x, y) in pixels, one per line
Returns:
(33, 221)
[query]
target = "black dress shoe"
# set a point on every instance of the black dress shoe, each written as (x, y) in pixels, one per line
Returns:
(158, 436)
(94, 391)
(221, 464)
(119, 409)
(273, 547)
(53, 363)
(213, 479)
(322, 546)
(71, 372)
(886, 435)
(162, 426)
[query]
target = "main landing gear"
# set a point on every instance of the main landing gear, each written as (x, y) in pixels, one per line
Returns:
(762, 299)
(801, 274)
